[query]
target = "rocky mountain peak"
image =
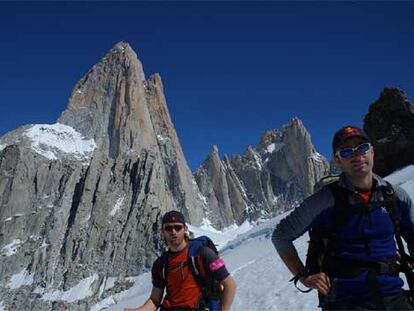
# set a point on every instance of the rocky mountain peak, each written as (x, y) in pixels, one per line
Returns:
(121, 47)
(393, 99)
(390, 125)
(250, 152)
(268, 138)
(295, 132)
(81, 199)
(226, 159)
(296, 122)
(108, 104)
(265, 180)
(214, 150)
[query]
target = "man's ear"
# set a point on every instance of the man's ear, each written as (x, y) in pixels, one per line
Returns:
(186, 232)
(337, 160)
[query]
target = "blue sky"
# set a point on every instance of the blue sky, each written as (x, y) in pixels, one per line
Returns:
(231, 70)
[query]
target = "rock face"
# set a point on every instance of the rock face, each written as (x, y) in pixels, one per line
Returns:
(222, 189)
(266, 180)
(81, 200)
(390, 125)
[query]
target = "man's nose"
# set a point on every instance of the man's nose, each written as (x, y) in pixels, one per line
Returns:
(357, 155)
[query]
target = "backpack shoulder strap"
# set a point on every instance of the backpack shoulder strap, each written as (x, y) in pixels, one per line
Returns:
(388, 194)
(341, 211)
(341, 214)
(390, 202)
(196, 248)
(194, 261)
(194, 253)
(320, 242)
(164, 267)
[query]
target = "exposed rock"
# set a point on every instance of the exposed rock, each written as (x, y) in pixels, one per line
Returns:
(81, 200)
(390, 125)
(222, 190)
(266, 180)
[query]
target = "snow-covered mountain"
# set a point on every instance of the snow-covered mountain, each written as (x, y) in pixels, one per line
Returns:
(261, 277)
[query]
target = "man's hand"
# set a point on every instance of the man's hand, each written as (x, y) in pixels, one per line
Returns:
(145, 307)
(319, 281)
(142, 308)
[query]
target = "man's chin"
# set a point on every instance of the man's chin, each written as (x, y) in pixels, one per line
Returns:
(362, 168)
(176, 242)
(361, 172)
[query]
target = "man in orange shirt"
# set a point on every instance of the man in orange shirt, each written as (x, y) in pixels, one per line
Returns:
(182, 289)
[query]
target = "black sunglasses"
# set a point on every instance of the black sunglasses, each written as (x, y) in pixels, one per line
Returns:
(346, 153)
(170, 228)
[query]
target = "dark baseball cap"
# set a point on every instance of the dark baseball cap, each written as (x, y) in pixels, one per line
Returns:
(345, 133)
(173, 216)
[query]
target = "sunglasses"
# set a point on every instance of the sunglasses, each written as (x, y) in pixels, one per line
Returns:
(170, 228)
(348, 152)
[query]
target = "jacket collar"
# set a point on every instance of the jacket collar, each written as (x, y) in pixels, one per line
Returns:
(345, 183)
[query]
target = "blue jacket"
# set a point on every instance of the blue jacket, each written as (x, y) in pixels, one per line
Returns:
(373, 229)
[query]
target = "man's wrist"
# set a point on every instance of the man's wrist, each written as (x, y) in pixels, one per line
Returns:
(302, 274)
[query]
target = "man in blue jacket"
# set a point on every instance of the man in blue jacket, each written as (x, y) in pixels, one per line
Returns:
(364, 240)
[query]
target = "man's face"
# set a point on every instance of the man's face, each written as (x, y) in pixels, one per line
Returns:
(358, 164)
(174, 233)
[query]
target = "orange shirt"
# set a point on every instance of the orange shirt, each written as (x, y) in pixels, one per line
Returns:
(365, 196)
(182, 289)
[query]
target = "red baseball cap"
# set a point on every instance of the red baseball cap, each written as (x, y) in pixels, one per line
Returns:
(345, 133)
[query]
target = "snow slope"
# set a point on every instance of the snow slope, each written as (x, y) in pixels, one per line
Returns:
(261, 277)
(405, 179)
(53, 140)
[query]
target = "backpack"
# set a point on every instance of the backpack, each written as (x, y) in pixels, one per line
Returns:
(321, 248)
(210, 288)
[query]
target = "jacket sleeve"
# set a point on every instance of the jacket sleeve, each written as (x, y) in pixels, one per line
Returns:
(407, 214)
(301, 219)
